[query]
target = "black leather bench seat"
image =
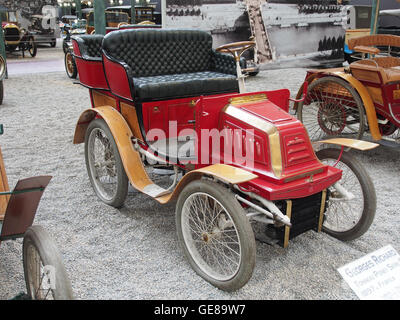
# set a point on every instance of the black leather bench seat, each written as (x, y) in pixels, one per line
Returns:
(183, 85)
(170, 63)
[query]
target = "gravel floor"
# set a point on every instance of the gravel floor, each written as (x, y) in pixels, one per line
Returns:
(133, 253)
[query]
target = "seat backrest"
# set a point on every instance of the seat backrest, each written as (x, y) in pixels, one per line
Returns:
(151, 52)
(375, 40)
(89, 45)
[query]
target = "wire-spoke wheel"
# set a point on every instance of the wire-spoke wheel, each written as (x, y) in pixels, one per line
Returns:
(347, 217)
(332, 108)
(215, 234)
(45, 275)
(104, 164)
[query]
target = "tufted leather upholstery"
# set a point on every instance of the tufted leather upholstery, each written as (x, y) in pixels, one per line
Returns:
(182, 84)
(90, 46)
(171, 63)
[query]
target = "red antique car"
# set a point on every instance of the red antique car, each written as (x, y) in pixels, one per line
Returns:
(169, 117)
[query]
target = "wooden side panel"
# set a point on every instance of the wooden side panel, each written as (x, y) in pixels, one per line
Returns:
(129, 113)
(100, 99)
(366, 75)
(3, 187)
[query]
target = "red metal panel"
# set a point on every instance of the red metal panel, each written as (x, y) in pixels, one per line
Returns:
(117, 78)
(91, 73)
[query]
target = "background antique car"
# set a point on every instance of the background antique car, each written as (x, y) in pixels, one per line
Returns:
(154, 114)
(361, 100)
(15, 37)
(142, 13)
(113, 20)
(42, 35)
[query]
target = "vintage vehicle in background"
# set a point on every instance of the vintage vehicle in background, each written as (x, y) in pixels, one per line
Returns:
(73, 27)
(3, 72)
(40, 34)
(385, 20)
(113, 20)
(170, 117)
(361, 100)
(15, 37)
(359, 22)
(44, 271)
(69, 27)
(142, 13)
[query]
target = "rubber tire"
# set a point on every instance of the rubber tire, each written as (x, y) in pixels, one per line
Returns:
(122, 189)
(1, 92)
(244, 229)
(65, 47)
(33, 54)
(350, 89)
(53, 44)
(74, 73)
(49, 254)
(368, 190)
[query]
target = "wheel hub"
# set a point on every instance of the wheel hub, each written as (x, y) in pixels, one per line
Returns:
(332, 118)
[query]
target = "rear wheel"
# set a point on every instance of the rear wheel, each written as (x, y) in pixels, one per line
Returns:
(104, 165)
(215, 234)
(45, 275)
(333, 109)
(348, 218)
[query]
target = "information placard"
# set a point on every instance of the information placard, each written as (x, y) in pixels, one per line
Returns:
(375, 276)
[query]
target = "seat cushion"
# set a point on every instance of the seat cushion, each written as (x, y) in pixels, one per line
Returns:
(183, 85)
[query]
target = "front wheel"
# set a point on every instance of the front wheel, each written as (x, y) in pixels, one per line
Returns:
(347, 218)
(32, 47)
(215, 234)
(70, 65)
(45, 275)
(104, 164)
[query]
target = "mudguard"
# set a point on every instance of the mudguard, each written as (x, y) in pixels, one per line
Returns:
(132, 162)
(361, 90)
(351, 143)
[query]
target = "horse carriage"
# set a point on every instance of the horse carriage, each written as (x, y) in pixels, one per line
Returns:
(164, 101)
(361, 100)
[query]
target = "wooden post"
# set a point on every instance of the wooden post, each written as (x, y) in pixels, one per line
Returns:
(3, 187)
(99, 16)
(375, 15)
